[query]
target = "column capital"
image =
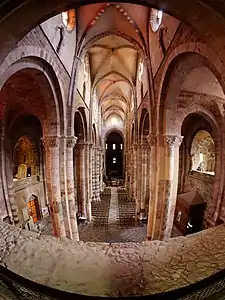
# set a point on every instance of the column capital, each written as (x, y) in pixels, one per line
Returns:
(172, 140)
(135, 147)
(144, 146)
(152, 140)
(50, 141)
(90, 145)
(147, 61)
(71, 141)
(81, 146)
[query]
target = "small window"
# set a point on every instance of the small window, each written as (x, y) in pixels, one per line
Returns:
(121, 146)
(155, 19)
(106, 146)
(114, 146)
(69, 19)
(114, 160)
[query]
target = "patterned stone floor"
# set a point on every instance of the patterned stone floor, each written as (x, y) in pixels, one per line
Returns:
(113, 220)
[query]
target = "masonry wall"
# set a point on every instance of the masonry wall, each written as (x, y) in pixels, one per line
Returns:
(24, 189)
(52, 29)
(203, 183)
(169, 25)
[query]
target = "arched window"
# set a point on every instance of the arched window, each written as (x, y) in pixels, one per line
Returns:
(69, 19)
(140, 71)
(155, 19)
(25, 158)
(203, 153)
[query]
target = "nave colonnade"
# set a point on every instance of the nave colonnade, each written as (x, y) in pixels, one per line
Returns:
(56, 114)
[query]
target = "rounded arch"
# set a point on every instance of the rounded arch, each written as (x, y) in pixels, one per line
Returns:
(203, 152)
(114, 154)
(79, 127)
(94, 135)
(46, 79)
(88, 44)
(114, 130)
(144, 125)
(124, 78)
(192, 124)
(171, 86)
(183, 11)
(132, 138)
(82, 113)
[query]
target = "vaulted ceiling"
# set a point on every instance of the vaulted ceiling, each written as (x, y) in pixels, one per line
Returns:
(114, 35)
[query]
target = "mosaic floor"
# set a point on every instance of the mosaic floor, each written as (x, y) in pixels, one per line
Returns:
(113, 220)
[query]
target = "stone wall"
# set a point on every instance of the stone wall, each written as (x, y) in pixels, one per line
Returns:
(203, 183)
(24, 189)
(102, 269)
(54, 30)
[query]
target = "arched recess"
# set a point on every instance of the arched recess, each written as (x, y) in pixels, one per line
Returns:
(25, 139)
(181, 83)
(132, 139)
(79, 160)
(80, 128)
(94, 135)
(28, 87)
(144, 163)
(41, 76)
(23, 167)
(198, 127)
(192, 84)
(114, 154)
(144, 126)
(185, 91)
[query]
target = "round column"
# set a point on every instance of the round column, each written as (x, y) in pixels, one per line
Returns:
(51, 145)
(81, 182)
(71, 208)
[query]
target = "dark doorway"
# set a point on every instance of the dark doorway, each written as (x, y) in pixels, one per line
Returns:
(114, 155)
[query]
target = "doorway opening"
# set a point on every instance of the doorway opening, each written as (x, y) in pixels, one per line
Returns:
(114, 156)
(33, 208)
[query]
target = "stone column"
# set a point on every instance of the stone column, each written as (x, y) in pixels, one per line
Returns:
(131, 173)
(97, 174)
(7, 177)
(136, 180)
(93, 164)
(10, 192)
(144, 179)
(71, 209)
(101, 169)
(89, 171)
(81, 181)
(51, 145)
(87, 179)
(139, 178)
(153, 181)
(163, 202)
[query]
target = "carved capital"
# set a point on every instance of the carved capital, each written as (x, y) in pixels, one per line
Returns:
(172, 140)
(152, 140)
(144, 147)
(80, 146)
(135, 147)
(50, 141)
(147, 62)
(71, 141)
